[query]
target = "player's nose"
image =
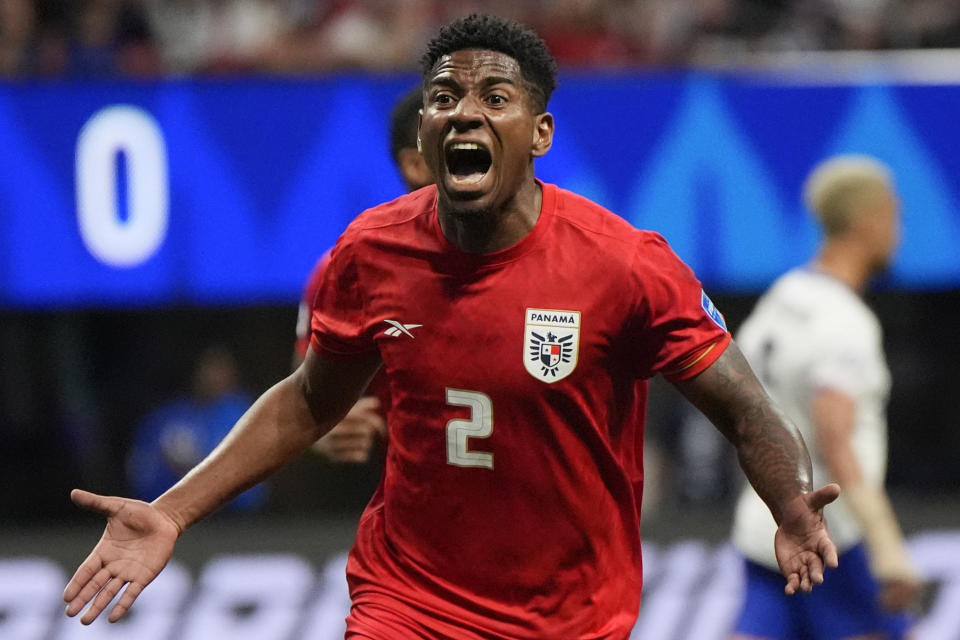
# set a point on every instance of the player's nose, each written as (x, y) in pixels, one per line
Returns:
(468, 114)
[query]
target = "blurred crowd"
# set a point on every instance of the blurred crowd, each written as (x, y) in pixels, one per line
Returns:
(145, 38)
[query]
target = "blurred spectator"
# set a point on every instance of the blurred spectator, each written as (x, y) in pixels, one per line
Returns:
(90, 38)
(17, 23)
(97, 38)
(353, 34)
(215, 36)
(111, 37)
(137, 52)
(582, 33)
(930, 23)
(51, 50)
(173, 438)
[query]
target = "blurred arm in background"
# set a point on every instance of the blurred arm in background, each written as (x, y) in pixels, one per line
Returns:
(834, 414)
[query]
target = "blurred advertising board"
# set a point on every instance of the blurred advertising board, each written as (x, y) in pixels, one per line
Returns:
(212, 192)
(692, 591)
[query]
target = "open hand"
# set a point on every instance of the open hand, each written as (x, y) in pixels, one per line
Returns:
(135, 546)
(802, 544)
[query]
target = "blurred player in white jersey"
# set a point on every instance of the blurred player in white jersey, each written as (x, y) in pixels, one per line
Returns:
(818, 350)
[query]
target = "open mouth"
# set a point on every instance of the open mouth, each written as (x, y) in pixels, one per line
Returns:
(468, 162)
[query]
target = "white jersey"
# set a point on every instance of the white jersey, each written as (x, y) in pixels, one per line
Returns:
(809, 332)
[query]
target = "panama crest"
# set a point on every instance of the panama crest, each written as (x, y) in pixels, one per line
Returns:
(551, 341)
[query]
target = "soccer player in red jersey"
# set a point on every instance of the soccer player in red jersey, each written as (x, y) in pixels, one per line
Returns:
(354, 438)
(512, 320)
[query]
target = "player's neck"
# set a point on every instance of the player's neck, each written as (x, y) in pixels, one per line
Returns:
(495, 229)
(846, 262)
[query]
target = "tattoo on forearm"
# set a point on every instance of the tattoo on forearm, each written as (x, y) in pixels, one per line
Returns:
(769, 447)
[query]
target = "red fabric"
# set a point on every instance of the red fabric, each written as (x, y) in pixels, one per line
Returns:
(546, 544)
(377, 386)
(306, 304)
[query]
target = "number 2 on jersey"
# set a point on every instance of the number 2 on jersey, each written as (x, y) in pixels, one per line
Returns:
(459, 431)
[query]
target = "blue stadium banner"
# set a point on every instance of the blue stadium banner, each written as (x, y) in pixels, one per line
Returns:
(219, 192)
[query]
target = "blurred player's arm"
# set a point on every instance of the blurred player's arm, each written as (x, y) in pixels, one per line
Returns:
(139, 537)
(834, 416)
(775, 459)
(354, 438)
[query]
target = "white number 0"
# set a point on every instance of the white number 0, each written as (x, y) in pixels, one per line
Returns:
(109, 238)
(480, 425)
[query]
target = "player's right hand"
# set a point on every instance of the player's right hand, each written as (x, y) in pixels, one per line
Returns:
(354, 438)
(135, 546)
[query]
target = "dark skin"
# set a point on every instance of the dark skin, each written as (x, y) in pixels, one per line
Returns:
(772, 454)
(481, 98)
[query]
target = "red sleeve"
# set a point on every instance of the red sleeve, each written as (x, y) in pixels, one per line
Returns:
(304, 313)
(339, 327)
(679, 332)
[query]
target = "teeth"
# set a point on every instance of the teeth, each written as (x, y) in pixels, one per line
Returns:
(465, 146)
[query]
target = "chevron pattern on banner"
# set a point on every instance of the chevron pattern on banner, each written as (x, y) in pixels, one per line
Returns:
(225, 191)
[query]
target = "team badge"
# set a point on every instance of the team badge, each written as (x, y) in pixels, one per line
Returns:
(711, 310)
(551, 341)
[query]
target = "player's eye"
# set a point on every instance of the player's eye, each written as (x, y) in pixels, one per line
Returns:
(496, 99)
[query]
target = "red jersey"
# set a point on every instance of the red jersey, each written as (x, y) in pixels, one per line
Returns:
(509, 506)
(377, 386)
(306, 304)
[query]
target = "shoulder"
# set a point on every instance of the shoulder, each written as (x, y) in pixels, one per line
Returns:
(585, 214)
(852, 325)
(617, 235)
(397, 212)
(838, 313)
(400, 222)
(836, 303)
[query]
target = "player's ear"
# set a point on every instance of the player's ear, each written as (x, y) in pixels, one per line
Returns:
(419, 123)
(542, 134)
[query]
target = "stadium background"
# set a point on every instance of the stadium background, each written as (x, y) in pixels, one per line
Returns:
(152, 204)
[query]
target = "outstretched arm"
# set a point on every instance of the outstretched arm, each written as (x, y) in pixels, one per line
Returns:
(773, 456)
(139, 537)
(279, 426)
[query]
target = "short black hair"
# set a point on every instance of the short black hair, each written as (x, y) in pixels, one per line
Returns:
(484, 31)
(404, 118)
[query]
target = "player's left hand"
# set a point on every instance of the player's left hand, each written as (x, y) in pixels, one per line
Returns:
(802, 544)
(900, 594)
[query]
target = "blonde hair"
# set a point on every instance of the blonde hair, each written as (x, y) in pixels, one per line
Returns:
(840, 187)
